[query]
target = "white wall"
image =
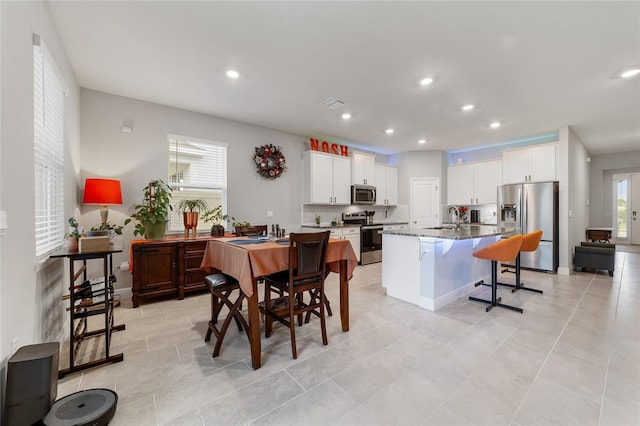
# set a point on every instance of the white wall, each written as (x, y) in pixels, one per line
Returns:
(142, 155)
(419, 164)
(31, 308)
(578, 191)
(603, 167)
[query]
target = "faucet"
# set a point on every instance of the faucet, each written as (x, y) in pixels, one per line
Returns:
(457, 211)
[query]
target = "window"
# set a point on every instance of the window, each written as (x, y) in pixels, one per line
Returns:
(197, 169)
(48, 112)
(620, 204)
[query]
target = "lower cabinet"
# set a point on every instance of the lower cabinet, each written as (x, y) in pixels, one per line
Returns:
(167, 267)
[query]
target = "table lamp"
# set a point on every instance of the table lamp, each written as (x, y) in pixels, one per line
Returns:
(102, 192)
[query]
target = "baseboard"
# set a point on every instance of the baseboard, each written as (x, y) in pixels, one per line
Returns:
(123, 292)
(452, 296)
(564, 270)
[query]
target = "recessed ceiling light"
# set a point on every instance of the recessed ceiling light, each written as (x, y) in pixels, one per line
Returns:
(468, 107)
(389, 131)
(346, 116)
(426, 81)
(422, 141)
(495, 125)
(233, 74)
(630, 73)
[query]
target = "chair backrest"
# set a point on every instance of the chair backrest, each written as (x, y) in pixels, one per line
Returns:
(307, 254)
(531, 240)
(244, 231)
(501, 251)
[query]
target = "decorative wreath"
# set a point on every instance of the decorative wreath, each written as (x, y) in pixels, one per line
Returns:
(270, 161)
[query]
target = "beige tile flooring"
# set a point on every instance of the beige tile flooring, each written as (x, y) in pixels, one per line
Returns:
(572, 358)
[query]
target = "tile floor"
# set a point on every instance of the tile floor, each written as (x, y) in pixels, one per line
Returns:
(572, 358)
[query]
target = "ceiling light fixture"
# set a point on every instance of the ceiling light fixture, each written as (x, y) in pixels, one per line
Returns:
(468, 107)
(233, 74)
(630, 73)
(389, 131)
(426, 81)
(346, 116)
(495, 125)
(422, 141)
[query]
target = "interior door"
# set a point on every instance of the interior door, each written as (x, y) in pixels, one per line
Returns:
(635, 209)
(425, 202)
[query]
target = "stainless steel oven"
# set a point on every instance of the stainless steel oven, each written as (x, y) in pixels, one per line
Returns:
(370, 244)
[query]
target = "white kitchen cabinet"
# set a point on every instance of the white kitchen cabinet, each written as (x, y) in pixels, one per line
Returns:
(533, 164)
(474, 183)
(351, 233)
(327, 179)
(362, 168)
(386, 182)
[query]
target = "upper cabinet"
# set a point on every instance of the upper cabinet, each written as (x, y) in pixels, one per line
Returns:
(327, 179)
(362, 168)
(474, 183)
(386, 182)
(533, 164)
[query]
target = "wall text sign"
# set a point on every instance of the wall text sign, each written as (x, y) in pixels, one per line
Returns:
(332, 148)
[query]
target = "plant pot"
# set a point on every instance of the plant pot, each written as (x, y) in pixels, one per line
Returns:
(190, 220)
(217, 231)
(71, 243)
(155, 231)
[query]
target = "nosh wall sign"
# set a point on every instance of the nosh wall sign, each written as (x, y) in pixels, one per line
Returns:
(331, 148)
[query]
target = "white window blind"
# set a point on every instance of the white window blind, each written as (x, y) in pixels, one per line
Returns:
(48, 108)
(197, 169)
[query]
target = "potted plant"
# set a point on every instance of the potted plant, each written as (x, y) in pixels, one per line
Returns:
(152, 214)
(215, 216)
(108, 228)
(190, 209)
(72, 237)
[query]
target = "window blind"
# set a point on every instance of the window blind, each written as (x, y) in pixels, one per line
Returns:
(197, 169)
(48, 108)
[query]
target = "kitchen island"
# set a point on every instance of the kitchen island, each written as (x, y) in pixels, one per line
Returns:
(431, 267)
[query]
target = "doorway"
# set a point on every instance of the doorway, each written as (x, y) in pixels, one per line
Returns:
(424, 202)
(626, 208)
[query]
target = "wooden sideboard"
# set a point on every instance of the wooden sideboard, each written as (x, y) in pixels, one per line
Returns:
(167, 267)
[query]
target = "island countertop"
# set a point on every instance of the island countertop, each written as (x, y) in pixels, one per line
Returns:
(447, 232)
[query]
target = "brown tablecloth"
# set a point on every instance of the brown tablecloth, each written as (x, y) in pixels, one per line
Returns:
(249, 261)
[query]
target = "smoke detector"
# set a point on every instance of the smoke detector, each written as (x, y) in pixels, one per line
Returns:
(332, 103)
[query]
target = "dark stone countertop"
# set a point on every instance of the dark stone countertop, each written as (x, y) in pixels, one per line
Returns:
(447, 232)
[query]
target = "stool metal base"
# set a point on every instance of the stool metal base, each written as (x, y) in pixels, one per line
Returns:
(518, 285)
(495, 300)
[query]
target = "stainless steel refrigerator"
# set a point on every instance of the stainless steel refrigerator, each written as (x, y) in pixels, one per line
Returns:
(529, 207)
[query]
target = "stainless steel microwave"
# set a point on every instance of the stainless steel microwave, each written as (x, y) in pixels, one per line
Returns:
(363, 194)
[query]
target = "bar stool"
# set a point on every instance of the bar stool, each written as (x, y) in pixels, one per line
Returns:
(530, 243)
(501, 251)
(222, 286)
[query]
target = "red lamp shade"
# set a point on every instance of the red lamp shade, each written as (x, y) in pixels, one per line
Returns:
(102, 191)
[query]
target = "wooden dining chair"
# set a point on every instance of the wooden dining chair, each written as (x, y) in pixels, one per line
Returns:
(307, 271)
(222, 288)
(245, 231)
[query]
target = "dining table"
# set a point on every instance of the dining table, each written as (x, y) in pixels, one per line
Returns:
(248, 259)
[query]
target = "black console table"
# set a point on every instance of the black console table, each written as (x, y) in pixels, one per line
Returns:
(88, 298)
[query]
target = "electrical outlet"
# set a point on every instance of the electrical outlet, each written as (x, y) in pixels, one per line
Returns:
(269, 213)
(14, 344)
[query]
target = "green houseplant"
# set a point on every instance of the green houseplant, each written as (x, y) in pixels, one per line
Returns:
(190, 209)
(152, 214)
(74, 234)
(214, 216)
